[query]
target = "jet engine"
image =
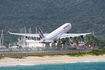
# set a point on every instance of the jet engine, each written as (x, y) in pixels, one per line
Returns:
(82, 36)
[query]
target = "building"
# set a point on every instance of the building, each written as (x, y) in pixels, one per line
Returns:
(33, 43)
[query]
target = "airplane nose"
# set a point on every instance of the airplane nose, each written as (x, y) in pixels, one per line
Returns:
(70, 24)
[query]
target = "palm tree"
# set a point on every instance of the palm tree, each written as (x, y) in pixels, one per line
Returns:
(59, 43)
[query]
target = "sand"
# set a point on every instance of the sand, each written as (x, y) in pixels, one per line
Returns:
(33, 60)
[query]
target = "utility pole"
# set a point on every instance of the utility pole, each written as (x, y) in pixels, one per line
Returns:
(2, 38)
(30, 33)
(25, 38)
(36, 33)
(30, 30)
(21, 31)
(0, 42)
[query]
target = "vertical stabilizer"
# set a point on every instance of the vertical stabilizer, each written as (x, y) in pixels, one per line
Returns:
(40, 33)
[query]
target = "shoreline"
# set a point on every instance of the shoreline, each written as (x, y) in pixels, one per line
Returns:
(35, 60)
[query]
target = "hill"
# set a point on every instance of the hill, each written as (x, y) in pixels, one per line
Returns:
(84, 15)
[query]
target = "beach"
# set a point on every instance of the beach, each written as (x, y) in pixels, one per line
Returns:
(34, 60)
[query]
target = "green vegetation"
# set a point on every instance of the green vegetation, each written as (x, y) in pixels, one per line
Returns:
(1, 57)
(97, 52)
(59, 43)
(89, 40)
(93, 52)
(84, 15)
(92, 40)
(77, 54)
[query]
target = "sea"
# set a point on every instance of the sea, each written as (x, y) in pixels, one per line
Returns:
(56, 66)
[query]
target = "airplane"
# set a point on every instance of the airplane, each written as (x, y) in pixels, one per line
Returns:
(59, 33)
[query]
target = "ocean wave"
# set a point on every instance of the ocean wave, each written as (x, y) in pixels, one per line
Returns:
(29, 64)
(15, 64)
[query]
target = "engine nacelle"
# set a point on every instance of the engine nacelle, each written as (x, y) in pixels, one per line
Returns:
(26, 37)
(71, 37)
(45, 41)
(55, 41)
(82, 36)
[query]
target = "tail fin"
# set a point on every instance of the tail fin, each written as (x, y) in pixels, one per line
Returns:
(40, 33)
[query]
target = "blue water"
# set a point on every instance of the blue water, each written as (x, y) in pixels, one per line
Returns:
(61, 66)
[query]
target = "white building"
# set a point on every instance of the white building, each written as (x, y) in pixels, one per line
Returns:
(33, 43)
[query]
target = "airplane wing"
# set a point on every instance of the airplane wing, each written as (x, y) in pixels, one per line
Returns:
(74, 35)
(26, 34)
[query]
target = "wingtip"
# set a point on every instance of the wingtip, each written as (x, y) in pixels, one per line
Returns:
(9, 32)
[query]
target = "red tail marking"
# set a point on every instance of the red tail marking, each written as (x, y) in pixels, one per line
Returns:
(40, 36)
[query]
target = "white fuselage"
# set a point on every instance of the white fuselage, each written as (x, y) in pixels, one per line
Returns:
(56, 34)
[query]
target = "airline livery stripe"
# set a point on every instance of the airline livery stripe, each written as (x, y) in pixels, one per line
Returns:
(41, 34)
(65, 26)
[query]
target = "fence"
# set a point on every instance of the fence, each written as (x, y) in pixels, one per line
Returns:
(18, 53)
